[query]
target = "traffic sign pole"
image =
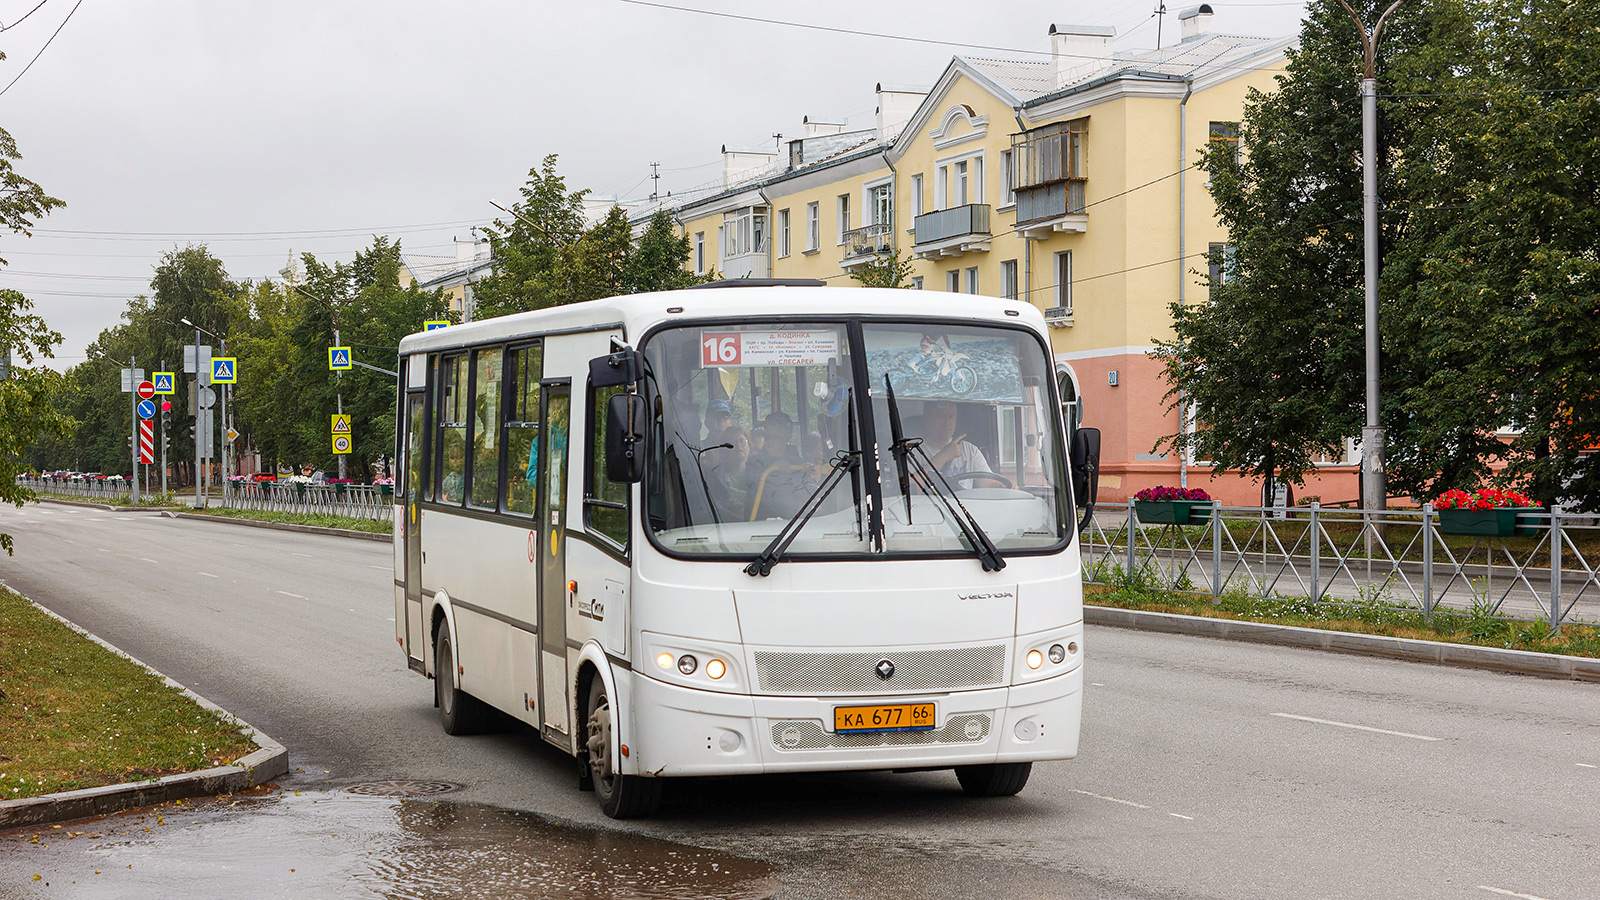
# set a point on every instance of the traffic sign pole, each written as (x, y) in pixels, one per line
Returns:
(163, 434)
(133, 443)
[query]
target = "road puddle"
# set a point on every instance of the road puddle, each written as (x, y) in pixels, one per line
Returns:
(336, 844)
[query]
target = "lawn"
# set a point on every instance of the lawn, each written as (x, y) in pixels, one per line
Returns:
(322, 520)
(75, 715)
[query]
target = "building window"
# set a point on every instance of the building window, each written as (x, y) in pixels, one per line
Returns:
(972, 280)
(941, 187)
(813, 227)
(1227, 133)
(960, 184)
(1050, 154)
(1222, 263)
(699, 252)
(952, 281)
(1008, 279)
(783, 232)
(881, 209)
(916, 194)
(916, 282)
(744, 233)
(1064, 280)
(844, 215)
(722, 246)
(1008, 177)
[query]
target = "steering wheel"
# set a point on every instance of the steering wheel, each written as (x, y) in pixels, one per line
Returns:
(993, 476)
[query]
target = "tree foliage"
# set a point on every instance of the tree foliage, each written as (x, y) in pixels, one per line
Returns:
(885, 271)
(1488, 182)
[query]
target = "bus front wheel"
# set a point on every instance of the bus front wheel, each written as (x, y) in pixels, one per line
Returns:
(459, 711)
(995, 780)
(621, 796)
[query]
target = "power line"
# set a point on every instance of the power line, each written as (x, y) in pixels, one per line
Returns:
(309, 232)
(41, 49)
(24, 17)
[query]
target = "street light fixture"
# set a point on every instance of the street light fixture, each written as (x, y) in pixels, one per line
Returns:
(337, 394)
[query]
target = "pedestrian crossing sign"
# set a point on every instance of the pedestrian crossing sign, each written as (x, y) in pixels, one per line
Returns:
(224, 370)
(164, 382)
(341, 423)
(339, 359)
(435, 325)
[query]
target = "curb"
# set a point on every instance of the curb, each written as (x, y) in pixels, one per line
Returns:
(286, 526)
(105, 507)
(1520, 662)
(270, 760)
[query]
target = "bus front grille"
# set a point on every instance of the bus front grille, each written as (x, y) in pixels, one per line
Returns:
(807, 734)
(954, 669)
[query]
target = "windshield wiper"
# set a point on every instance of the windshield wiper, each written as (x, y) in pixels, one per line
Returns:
(843, 464)
(909, 450)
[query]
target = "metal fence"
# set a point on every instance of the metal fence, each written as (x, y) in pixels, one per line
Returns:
(1395, 558)
(103, 490)
(356, 501)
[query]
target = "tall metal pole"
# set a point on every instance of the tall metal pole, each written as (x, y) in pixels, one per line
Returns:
(338, 395)
(199, 421)
(223, 437)
(162, 437)
(1374, 490)
(133, 441)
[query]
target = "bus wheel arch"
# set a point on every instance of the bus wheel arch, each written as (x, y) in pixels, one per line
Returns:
(592, 665)
(443, 617)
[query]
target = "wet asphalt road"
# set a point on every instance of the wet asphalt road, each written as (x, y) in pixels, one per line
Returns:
(1208, 769)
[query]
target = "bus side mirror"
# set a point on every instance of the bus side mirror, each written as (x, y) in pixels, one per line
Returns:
(626, 423)
(1086, 466)
(615, 369)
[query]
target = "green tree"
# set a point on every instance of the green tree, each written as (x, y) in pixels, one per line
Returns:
(660, 258)
(27, 411)
(531, 248)
(885, 271)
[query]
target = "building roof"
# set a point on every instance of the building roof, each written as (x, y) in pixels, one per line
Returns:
(431, 270)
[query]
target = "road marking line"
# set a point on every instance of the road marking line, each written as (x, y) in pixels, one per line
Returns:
(1096, 684)
(148, 560)
(384, 568)
(65, 541)
(1181, 816)
(1112, 799)
(287, 594)
(1485, 887)
(102, 550)
(1417, 737)
(1588, 766)
(206, 574)
(306, 555)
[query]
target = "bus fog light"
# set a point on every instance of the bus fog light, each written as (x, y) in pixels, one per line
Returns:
(1035, 659)
(730, 740)
(716, 668)
(1072, 647)
(1026, 730)
(687, 664)
(1058, 653)
(664, 660)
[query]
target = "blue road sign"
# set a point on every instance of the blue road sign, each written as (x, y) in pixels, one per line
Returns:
(147, 409)
(163, 382)
(338, 358)
(224, 370)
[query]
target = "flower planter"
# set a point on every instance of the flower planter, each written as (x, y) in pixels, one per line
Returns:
(339, 489)
(1500, 522)
(1173, 512)
(386, 490)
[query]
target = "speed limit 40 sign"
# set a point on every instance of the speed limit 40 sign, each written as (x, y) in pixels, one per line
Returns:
(341, 443)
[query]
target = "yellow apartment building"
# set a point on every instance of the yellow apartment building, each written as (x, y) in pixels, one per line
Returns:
(1067, 180)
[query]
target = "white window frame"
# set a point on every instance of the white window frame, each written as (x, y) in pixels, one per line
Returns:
(699, 252)
(722, 246)
(946, 190)
(952, 281)
(1008, 172)
(916, 282)
(783, 232)
(869, 204)
(1008, 279)
(842, 207)
(813, 226)
(1063, 285)
(972, 280)
(916, 199)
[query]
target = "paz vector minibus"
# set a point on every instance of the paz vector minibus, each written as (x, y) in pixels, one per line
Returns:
(746, 529)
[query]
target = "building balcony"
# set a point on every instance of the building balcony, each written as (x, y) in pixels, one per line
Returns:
(863, 245)
(1055, 206)
(952, 232)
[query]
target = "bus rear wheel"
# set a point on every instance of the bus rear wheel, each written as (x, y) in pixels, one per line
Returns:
(459, 711)
(621, 796)
(995, 780)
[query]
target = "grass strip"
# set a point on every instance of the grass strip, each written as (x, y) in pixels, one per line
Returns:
(153, 499)
(321, 520)
(75, 715)
(1475, 626)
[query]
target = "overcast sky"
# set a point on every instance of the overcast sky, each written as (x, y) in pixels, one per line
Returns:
(310, 125)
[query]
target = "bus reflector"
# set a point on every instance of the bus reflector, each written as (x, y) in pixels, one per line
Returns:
(572, 586)
(624, 749)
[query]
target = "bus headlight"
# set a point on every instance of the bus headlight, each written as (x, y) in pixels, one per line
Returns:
(664, 660)
(687, 664)
(1058, 653)
(716, 668)
(1035, 659)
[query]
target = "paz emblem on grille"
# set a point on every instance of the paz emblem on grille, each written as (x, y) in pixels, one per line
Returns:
(885, 669)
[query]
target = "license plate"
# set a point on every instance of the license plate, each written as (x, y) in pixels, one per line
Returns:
(899, 717)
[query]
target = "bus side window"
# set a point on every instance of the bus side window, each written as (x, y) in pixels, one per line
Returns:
(605, 502)
(485, 415)
(451, 414)
(522, 430)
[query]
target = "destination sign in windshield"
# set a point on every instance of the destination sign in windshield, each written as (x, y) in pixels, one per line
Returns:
(769, 348)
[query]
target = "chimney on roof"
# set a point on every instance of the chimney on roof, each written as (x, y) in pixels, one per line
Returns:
(471, 248)
(1195, 21)
(819, 128)
(1080, 52)
(896, 106)
(739, 164)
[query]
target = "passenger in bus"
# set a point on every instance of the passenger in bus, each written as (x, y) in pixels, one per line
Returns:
(776, 475)
(724, 467)
(951, 453)
(719, 418)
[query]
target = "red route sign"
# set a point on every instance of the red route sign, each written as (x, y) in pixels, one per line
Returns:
(146, 390)
(147, 440)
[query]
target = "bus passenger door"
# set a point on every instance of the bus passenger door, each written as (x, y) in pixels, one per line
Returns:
(553, 680)
(416, 637)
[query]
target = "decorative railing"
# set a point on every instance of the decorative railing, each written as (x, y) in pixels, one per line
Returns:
(87, 489)
(869, 240)
(1547, 570)
(1051, 201)
(356, 501)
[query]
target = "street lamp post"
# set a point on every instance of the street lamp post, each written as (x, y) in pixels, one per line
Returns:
(338, 395)
(1374, 491)
(227, 449)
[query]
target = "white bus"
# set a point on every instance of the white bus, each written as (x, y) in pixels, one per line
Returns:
(746, 529)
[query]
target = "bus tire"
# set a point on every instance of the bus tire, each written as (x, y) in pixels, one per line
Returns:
(459, 711)
(621, 796)
(995, 780)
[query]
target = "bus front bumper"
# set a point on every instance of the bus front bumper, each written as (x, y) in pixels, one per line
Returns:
(684, 732)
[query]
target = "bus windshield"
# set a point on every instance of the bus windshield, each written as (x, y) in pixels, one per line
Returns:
(750, 419)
